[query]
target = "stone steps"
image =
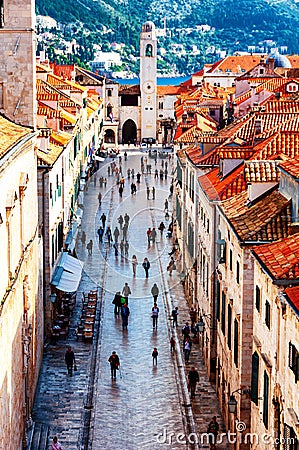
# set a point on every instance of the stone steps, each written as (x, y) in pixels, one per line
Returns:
(40, 437)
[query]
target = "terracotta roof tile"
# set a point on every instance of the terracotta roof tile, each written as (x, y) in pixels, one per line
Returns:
(261, 171)
(237, 64)
(218, 188)
(267, 219)
(281, 258)
(50, 156)
(11, 134)
(293, 296)
(168, 90)
(290, 166)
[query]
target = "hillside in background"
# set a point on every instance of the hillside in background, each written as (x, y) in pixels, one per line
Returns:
(233, 25)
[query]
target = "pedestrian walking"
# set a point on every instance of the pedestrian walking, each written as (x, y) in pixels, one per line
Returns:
(153, 235)
(100, 198)
(109, 171)
(147, 192)
(100, 234)
(127, 219)
(174, 315)
(129, 173)
(105, 182)
(213, 429)
(120, 190)
(114, 364)
(109, 235)
(115, 246)
(154, 192)
(193, 317)
(186, 331)
(95, 180)
(126, 292)
(155, 354)
(155, 292)
(161, 228)
(187, 349)
(117, 303)
(122, 247)
(171, 266)
(146, 265)
(127, 245)
(125, 312)
(193, 379)
(116, 234)
(103, 219)
(120, 221)
(148, 234)
(125, 231)
(83, 238)
(56, 444)
(134, 264)
(89, 247)
(155, 315)
(166, 205)
(70, 361)
(138, 176)
(161, 174)
(133, 172)
(165, 174)
(172, 344)
(156, 174)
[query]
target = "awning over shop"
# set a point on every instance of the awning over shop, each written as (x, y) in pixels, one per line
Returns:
(67, 275)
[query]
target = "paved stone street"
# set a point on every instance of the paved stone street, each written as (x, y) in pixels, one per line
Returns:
(148, 406)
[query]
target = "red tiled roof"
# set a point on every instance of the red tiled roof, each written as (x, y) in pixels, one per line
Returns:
(261, 171)
(291, 166)
(267, 219)
(218, 188)
(293, 296)
(168, 90)
(281, 258)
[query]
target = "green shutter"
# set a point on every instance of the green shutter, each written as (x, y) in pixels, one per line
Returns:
(266, 400)
(255, 378)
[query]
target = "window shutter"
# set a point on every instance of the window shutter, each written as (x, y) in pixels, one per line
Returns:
(236, 342)
(223, 308)
(229, 327)
(266, 400)
(255, 378)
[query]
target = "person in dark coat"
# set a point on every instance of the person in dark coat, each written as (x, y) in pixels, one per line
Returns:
(125, 312)
(193, 379)
(117, 303)
(70, 360)
(114, 364)
(146, 265)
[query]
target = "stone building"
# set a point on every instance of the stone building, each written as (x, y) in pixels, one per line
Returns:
(21, 312)
(275, 346)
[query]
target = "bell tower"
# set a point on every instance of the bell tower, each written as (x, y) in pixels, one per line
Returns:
(148, 80)
(17, 61)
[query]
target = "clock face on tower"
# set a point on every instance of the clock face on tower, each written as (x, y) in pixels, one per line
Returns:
(148, 87)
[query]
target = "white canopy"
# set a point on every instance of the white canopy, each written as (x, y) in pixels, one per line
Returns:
(67, 275)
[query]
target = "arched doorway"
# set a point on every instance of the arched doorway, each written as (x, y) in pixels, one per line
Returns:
(129, 132)
(109, 137)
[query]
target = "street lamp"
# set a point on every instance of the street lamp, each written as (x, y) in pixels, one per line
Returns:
(201, 325)
(232, 403)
